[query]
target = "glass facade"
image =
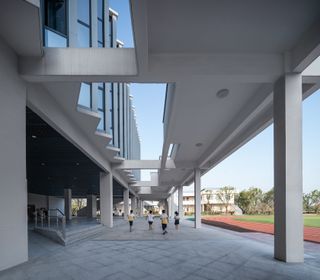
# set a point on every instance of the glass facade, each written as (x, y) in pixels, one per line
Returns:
(56, 15)
(53, 39)
(55, 23)
(85, 96)
(111, 101)
(100, 10)
(84, 23)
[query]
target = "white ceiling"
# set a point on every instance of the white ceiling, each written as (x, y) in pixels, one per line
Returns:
(228, 25)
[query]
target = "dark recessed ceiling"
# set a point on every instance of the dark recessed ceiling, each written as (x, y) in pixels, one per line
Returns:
(53, 163)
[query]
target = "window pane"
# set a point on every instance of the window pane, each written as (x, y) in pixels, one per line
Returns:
(101, 99)
(85, 95)
(83, 36)
(55, 15)
(52, 39)
(84, 11)
(100, 31)
(100, 45)
(101, 125)
(100, 9)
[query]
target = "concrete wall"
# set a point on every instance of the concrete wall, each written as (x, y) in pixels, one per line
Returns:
(56, 203)
(13, 185)
(42, 201)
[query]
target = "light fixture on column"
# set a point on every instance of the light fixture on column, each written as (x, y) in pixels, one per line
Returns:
(222, 93)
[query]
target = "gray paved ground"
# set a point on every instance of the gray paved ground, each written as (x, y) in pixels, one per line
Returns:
(208, 253)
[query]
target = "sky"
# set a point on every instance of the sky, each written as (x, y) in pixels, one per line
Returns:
(252, 164)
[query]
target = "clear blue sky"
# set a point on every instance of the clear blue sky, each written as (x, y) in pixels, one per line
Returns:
(252, 165)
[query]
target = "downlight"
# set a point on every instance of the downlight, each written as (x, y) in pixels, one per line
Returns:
(222, 93)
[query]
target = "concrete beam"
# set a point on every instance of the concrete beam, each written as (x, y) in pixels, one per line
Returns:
(67, 64)
(144, 164)
(307, 49)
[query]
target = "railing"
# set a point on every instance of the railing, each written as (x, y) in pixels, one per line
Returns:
(51, 218)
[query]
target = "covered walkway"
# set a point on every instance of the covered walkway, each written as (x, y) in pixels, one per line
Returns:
(206, 253)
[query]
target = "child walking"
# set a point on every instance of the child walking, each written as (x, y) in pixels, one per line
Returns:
(164, 221)
(150, 219)
(176, 220)
(131, 218)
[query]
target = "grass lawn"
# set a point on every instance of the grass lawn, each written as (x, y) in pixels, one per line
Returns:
(309, 220)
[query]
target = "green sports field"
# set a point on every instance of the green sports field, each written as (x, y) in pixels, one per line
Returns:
(309, 220)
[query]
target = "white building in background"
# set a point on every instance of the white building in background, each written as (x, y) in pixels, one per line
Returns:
(210, 203)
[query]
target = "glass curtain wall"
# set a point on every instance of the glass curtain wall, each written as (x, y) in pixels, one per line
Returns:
(111, 100)
(55, 23)
(84, 23)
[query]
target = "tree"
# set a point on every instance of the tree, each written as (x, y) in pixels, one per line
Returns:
(315, 200)
(267, 203)
(208, 196)
(224, 195)
(307, 203)
(243, 201)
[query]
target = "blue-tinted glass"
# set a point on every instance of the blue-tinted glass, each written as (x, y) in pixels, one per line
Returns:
(83, 36)
(101, 125)
(85, 95)
(100, 45)
(55, 15)
(100, 99)
(100, 9)
(100, 31)
(52, 39)
(84, 11)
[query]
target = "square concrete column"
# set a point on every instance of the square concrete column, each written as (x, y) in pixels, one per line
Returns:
(133, 204)
(106, 199)
(91, 206)
(287, 114)
(197, 198)
(68, 204)
(141, 208)
(180, 201)
(126, 203)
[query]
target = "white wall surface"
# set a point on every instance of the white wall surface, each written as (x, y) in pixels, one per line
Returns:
(13, 185)
(38, 200)
(56, 203)
(41, 201)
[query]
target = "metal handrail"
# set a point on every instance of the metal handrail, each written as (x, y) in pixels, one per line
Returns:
(52, 220)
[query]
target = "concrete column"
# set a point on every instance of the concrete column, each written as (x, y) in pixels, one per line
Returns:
(106, 199)
(126, 203)
(133, 204)
(166, 206)
(169, 212)
(91, 206)
(13, 184)
(287, 114)
(197, 198)
(180, 201)
(67, 204)
(141, 207)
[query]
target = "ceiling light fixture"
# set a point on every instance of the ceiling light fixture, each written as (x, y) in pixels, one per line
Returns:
(34, 136)
(77, 163)
(222, 93)
(199, 144)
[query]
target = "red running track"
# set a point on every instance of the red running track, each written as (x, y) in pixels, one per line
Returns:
(310, 233)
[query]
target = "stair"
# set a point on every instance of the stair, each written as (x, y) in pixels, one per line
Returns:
(71, 236)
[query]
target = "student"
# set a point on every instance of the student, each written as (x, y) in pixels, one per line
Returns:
(131, 218)
(164, 221)
(150, 219)
(176, 220)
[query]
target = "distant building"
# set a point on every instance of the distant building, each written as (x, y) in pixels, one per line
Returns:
(209, 202)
